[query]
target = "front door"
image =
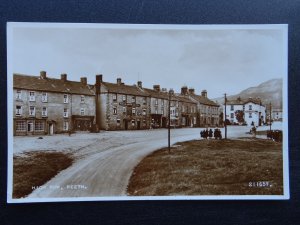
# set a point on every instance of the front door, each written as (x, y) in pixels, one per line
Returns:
(30, 127)
(51, 129)
(125, 124)
(138, 125)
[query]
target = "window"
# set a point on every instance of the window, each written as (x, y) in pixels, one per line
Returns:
(66, 98)
(39, 126)
(144, 112)
(44, 111)
(133, 99)
(19, 94)
(156, 111)
(162, 102)
(250, 107)
(66, 126)
(133, 123)
(232, 107)
(115, 110)
(31, 111)
(66, 114)
(18, 110)
(114, 97)
(20, 126)
(82, 98)
(182, 108)
(144, 100)
(124, 110)
(250, 115)
(231, 115)
(162, 111)
(133, 111)
(156, 102)
(44, 97)
(124, 98)
(82, 111)
(243, 107)
(118, 122)
(31, 96)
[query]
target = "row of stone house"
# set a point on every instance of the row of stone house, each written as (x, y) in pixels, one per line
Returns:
(44, 105)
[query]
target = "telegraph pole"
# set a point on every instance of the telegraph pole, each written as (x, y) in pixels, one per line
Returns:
(169, 125)
(270, 116)
(225, 117)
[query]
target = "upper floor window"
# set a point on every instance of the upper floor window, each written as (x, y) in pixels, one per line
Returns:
(250, 115)
(31, 96)
(144, 100)
(82, 111)
(232, 115)
(18, 110)
(66, 113)
(44, 111)
(232, 107)
(124, 110)
(31, 111)
(156, 102)
(133, 111)
(124, 98)
(66, 98)
(19, 94)
(82, 98)
(114, 96)
(162, 102)
(44, 97)
(133, 99)
(250, 107)
(115, 110)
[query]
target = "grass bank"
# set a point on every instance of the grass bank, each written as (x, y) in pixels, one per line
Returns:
(33, 169)
(211, 167)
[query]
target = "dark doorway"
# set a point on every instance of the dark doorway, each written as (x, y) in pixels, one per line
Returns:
(138, 125)
(164, 122)
(125, 124)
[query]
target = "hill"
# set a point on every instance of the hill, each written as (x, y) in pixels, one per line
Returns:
(269, 91)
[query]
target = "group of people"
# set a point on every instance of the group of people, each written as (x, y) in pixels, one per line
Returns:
(210, 133)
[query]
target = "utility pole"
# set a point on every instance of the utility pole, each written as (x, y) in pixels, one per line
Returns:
(225, 117)
(169, 125)
(270, 116)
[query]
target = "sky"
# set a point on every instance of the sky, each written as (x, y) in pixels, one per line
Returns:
(212, 58)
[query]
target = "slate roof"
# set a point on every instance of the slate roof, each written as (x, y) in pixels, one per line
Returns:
(124, 89)
(156, 94)
(240, 101)
(36, 83)
(185, 99)
(204, 100)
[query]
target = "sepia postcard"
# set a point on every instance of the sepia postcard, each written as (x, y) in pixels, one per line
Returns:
(100, 112)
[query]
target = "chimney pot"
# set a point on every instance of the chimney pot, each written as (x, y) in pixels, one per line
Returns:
(140, 84)
(156, 87)
(204, 93)
(184, 90)
(83, 80)
(119, 81)
(43, 75)
(63, 77)
(192, 91)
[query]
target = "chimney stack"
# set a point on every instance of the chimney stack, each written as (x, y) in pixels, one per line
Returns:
(184, 90)
(156, 87)
(192, 91)
(43, 75)
(98, 79)
(83, 80)
(63, 77)
(119, 81)
(140, 84)
(204, 93)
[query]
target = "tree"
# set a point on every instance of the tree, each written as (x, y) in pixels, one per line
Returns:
(239, 115)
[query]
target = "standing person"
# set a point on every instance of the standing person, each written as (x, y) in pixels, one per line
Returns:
(210, 133)
(253, 131)
(206, 133)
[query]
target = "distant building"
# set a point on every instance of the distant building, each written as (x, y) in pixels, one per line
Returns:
(277, 114)
(245, 111)
(45, 105)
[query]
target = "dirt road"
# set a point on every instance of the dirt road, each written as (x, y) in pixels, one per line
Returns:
(104, 165)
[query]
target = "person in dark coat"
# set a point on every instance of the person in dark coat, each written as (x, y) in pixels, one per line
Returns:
(210, 133)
